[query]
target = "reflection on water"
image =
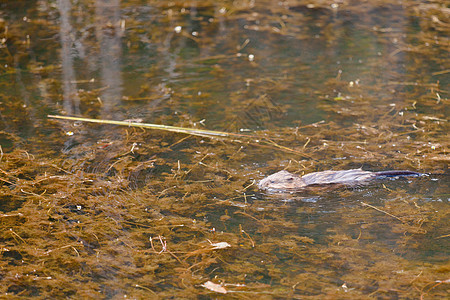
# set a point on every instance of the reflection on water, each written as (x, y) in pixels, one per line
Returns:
(67, 34)
(91, 211)
(109, 34)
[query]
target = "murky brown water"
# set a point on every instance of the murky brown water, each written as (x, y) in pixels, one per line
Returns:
(103, 211)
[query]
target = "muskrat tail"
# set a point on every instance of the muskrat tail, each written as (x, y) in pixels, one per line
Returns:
(397, 173)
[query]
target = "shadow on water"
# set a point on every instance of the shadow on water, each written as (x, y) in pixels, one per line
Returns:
(101, 211)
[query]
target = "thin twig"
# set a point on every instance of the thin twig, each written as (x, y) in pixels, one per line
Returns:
(243, 231)
(233, 137)
(376, 208)
(191, 131)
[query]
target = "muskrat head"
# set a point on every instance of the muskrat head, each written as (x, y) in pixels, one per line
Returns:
(282, 180)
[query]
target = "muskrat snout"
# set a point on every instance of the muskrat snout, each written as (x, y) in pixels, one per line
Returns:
(282, 180)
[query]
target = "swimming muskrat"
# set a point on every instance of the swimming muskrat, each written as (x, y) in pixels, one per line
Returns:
(285, 181)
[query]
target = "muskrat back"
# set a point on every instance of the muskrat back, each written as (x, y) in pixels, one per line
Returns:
(285, 181)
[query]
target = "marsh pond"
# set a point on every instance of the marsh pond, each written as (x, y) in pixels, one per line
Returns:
(201, 100)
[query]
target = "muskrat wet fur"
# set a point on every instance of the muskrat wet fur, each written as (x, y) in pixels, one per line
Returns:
(285, 181)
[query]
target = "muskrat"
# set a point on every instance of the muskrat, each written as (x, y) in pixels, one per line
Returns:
(285, 181)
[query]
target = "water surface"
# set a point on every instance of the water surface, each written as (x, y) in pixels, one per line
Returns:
(102, 211)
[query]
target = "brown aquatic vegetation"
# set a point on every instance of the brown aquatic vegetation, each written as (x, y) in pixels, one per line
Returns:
(91, 211)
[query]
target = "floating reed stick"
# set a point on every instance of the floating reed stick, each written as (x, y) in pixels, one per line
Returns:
(192, 131)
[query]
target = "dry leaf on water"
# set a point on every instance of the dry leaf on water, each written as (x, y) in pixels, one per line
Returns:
(214, 287)
(221, 245)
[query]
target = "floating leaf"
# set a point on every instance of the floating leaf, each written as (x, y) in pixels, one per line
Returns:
(214, 287)
(221, 245)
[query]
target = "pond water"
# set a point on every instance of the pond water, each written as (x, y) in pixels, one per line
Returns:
(106, 211)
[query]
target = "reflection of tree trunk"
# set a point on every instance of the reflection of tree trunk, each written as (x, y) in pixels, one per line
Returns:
(109, 35)
(71, 100)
